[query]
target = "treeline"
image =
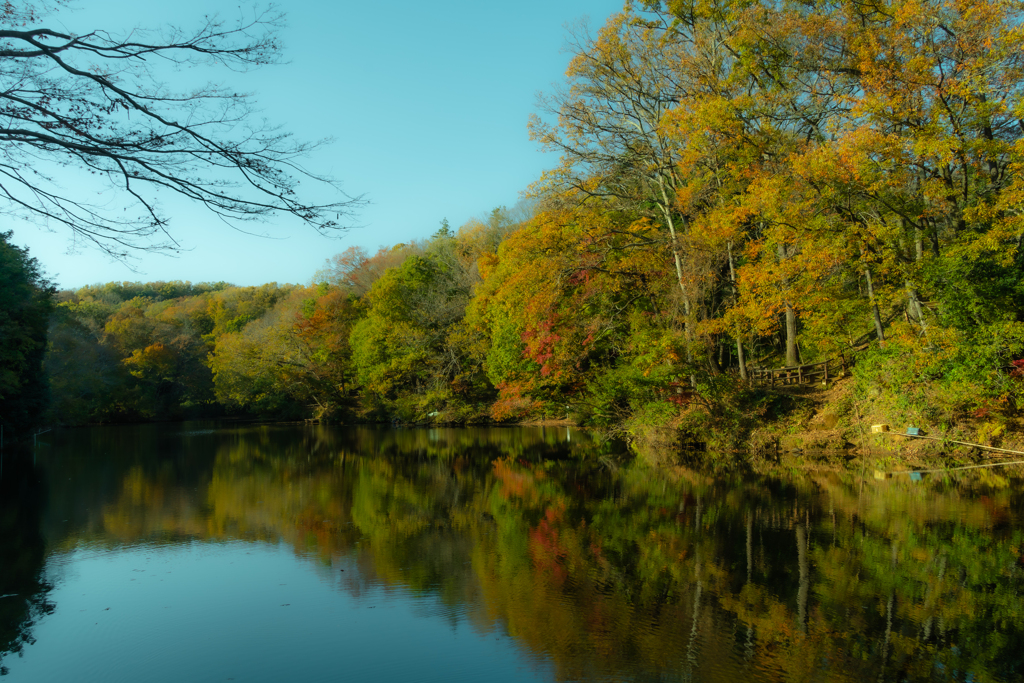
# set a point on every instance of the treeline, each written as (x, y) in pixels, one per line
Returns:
(133, 352)
(376, 337)
(740, 184)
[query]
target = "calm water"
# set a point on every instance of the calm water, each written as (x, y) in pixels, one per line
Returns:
(188, 553)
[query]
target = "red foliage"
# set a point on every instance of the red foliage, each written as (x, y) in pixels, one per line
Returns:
(513, 401)
(540, 345)
(1018, 368)
(581, 277)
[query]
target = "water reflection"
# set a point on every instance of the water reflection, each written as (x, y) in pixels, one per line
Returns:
(23, 591)
(594, 573)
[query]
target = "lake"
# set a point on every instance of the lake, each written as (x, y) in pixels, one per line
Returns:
(204, 552)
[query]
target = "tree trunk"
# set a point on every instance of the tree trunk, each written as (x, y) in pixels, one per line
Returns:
(875, 316)
(792, 358)
(735, 296)
(713, 362)
(666, 212)
(741, 360)
(914, 308)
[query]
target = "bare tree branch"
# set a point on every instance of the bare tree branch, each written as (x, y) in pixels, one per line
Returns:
(93, 102)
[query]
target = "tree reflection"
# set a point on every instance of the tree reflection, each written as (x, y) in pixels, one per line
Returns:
(632, 573)
(23, 590)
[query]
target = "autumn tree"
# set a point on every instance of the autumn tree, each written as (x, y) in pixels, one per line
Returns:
(485, 234)
(97, 102)
(355, 270)
(609, 131)
(649, 123)
(291, 361)
(931, 143)
(574, 314)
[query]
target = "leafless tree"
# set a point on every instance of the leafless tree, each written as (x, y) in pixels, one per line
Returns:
(97, 103)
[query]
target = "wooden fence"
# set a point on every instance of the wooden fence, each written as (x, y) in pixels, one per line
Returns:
(811, 373)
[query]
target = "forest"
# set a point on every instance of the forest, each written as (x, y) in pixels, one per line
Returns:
(740, 185)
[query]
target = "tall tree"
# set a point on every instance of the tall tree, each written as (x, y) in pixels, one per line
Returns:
(609, 132)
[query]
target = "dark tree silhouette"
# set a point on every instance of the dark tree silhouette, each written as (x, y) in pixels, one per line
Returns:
(25, 303)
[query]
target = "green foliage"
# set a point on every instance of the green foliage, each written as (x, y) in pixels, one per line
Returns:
(139, 351)
(26, 299)
(624, 393)
(414, 358)
(957, 375)
(292, 362)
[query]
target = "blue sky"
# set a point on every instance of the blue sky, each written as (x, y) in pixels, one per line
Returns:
(427, 104)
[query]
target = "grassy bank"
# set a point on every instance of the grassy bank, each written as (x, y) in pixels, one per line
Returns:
(950, 392)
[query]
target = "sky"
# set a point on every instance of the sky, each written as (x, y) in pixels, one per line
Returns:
(427, 105)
